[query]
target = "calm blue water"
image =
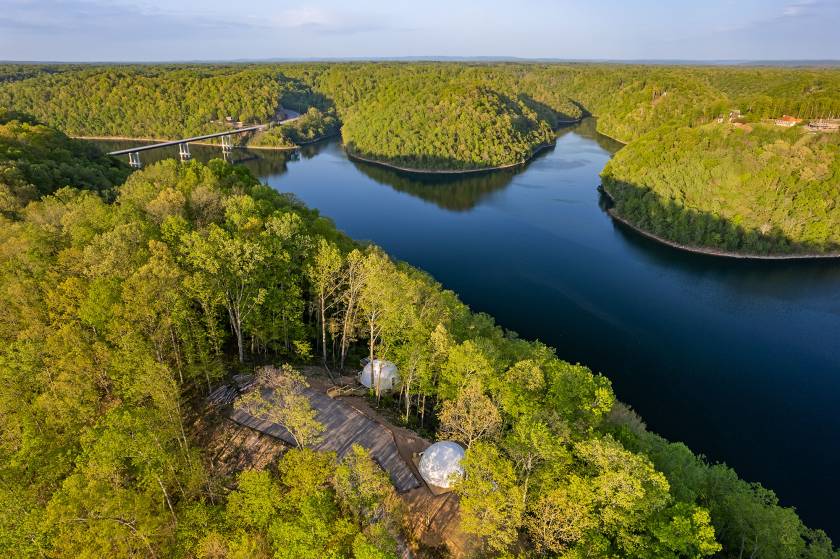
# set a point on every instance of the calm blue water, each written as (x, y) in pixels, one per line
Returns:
(740, 360)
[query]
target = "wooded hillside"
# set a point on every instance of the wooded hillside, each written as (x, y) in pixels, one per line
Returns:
(723, 189)
(745, 189)
(120, 316)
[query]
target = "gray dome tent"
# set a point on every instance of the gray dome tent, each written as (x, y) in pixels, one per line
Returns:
(379, 374)
(440, 464)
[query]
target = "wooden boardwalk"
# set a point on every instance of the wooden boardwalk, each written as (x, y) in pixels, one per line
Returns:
(344, 426)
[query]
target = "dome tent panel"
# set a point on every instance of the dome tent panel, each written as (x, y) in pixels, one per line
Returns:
(440, 464)
(381, 375)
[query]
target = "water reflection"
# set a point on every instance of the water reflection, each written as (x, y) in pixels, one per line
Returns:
(463, 192)
(587, 129)
(458, 193)
(450, 192)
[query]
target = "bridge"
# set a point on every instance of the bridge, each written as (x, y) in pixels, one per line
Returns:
(184, 144)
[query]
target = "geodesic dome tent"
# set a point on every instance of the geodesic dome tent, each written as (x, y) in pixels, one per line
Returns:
(440, 464)
(380, 374)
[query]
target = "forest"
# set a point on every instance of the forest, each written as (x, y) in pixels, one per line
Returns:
(764, 191)
(126, 300)
(752, 189)
(36, 160)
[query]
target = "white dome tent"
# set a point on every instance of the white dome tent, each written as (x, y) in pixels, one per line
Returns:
(440, 464)
(380, 375)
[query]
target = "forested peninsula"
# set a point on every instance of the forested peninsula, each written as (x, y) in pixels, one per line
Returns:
(126, 301)
(705, 167)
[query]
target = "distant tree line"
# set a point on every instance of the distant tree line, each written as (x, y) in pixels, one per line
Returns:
(680, 178)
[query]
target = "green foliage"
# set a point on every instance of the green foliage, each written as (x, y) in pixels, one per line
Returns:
(305, 513)
(680, 178)
(311, 126)
(15, 72)
(146, 101)
(119, 315)
(287, 405)
(105, 334)
(439, 125)
(492, 503)
(761, 190)
(747, 518)
(36, 160)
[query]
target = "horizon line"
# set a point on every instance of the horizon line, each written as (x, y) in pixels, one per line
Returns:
(455, 58)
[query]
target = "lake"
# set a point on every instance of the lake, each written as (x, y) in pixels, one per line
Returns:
(738, 359)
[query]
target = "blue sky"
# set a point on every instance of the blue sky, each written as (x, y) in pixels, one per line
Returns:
(151, 30)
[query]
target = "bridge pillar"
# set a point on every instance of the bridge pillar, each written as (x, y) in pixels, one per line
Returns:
(184, 151)
(227, 143)
(134, 159)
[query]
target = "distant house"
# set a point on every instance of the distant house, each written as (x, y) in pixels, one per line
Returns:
(787, 121)
(734, 115)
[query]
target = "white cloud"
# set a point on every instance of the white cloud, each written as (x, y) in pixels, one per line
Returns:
(797, 8)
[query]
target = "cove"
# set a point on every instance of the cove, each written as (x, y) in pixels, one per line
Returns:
(738, 359)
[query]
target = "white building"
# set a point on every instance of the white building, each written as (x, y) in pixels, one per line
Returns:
(440, 464)
(380, 375)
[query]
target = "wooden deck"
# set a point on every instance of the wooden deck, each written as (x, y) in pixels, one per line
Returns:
(345, 426)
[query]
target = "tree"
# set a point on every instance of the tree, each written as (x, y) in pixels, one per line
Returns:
(325, 276)
(366, 493)
(278, 397)
(491, 500)
(560, 518)
(232, 266)
(255, 501)
(281, 320)
(536, 446)
(353, 281)
(632, 508)
(471, 416)
(373, 300)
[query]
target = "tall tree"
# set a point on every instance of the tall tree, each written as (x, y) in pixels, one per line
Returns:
(491, 500)
(353, 281)
(470, 416)
(325, 277)
(231, 266)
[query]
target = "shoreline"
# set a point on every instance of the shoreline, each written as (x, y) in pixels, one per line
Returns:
(360, 158)
(416, 171)
(711, 251)
(610, 137)
(296, 146)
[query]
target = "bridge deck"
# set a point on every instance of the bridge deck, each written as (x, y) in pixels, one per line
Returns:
(188, 140)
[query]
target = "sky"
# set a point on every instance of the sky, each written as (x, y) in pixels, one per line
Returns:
(173, 30)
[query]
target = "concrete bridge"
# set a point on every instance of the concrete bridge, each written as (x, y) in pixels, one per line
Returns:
(184, 144)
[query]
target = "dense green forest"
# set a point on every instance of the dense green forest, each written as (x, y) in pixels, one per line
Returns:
(446, 127)
(311, 126)
(122, 309)
(436, 117)
(36, 160)
(756, 189)
(457, 116)
(149, 102)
